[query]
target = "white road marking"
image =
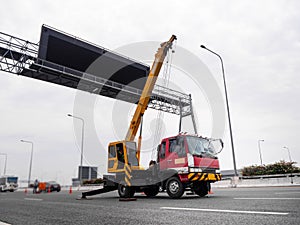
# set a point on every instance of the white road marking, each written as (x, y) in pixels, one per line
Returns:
(226, 211)
(287, 193)
(33, 199)
(267, 198)
(2, 223)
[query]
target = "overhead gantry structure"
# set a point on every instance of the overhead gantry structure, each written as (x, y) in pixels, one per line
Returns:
(20, 57)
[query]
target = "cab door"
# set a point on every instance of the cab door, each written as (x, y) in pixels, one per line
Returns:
(176, 153)
(112, 158)
(162, 155)
(116, 157)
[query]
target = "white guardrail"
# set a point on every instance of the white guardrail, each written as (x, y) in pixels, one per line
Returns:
(260, 181)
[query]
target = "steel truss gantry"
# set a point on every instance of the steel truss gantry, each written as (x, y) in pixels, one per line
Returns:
(18, 56)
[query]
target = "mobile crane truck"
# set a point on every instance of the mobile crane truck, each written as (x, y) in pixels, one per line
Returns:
(184, 162)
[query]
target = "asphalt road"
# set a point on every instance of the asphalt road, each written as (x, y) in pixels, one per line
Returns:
(280, 205)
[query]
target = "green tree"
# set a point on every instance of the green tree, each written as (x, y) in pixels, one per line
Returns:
(281, 167)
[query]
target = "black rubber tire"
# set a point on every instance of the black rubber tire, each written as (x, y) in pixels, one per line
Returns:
(151, 191)
(174, 187)
(201, 188)
(125, 191)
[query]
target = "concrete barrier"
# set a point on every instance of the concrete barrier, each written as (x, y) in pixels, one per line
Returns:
(260, 181)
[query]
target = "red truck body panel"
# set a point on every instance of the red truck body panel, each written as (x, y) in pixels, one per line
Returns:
(206, 162)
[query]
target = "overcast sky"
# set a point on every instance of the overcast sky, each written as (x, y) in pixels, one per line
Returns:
(258, 40)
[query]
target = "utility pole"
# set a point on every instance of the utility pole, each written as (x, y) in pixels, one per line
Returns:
(30, 164)
(227, 106)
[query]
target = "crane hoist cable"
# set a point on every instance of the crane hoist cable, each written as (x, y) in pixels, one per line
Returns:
(160, 115)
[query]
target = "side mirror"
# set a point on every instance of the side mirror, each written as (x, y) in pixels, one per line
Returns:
(217, 145)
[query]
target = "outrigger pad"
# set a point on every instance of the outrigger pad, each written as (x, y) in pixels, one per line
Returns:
(82, 197)
(127, 199)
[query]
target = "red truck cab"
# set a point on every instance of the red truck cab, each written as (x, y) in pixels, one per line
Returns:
(193, 160)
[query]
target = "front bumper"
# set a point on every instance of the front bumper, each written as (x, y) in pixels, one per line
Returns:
(204, 177)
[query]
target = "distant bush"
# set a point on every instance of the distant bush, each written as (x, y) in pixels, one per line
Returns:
(281, 167)
(93, 181)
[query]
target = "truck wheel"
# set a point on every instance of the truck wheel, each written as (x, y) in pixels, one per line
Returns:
(125, 191)
(151, 191)
(201, 188)
(174, 187)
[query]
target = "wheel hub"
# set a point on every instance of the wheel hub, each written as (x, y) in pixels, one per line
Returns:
(174, 187)
(122, 189)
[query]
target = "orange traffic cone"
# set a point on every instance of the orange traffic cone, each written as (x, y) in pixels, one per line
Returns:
(70, 191)
(49, 190)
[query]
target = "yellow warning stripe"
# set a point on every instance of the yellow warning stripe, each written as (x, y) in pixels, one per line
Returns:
(204, 177)
(191, 175)
(128, 183)
(127, 174)
(128, 168)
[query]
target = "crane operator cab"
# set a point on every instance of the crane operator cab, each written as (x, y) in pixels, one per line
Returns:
(121, 153)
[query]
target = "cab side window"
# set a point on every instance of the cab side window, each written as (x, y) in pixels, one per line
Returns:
(120, 152)
(162, 153)
(112, 152)
(181, 147)
(177, 145)
(172, 145)
(120, 155)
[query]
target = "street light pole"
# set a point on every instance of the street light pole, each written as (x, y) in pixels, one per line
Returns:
(291, 163)
(227, 105)
(30, 165)
(82, 137)
(259, 150)
(288, 153)
(4, 172)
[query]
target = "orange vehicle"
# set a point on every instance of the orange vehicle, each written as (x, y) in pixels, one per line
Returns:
(41, 187)
(48, 187)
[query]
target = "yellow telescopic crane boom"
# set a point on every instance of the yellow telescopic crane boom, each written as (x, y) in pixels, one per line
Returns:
(147, 91)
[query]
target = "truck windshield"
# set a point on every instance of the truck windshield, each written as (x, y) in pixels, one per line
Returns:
(12, 180)
(200, 146)
(131, 153)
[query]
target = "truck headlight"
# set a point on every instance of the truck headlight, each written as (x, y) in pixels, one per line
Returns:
(183, 170)
(195, 170)
(198, 170)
